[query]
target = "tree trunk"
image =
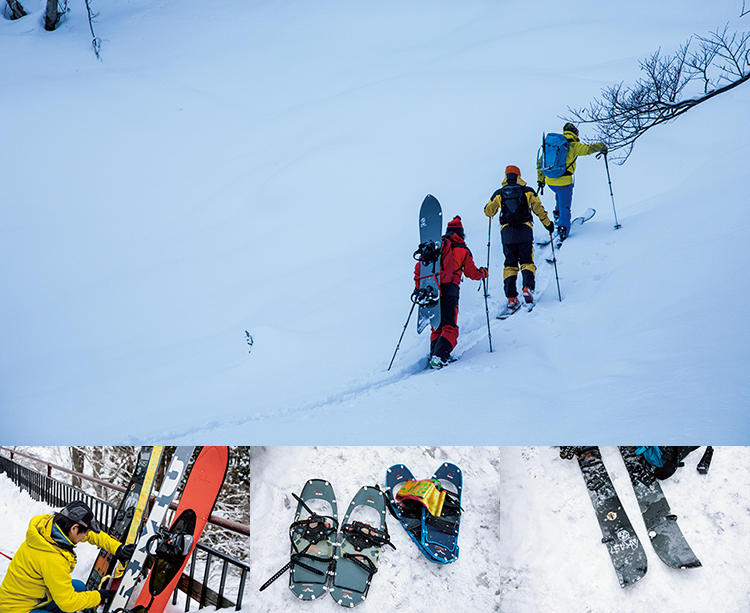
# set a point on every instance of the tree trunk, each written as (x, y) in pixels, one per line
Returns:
(16, 10)
(77, 456)
(50, 15)
(96, 464)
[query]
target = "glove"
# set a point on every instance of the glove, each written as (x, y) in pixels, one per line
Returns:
(550, 228)
(484, 271)
(540, 186)
(125, 552)
(602, 148)
(107, 596)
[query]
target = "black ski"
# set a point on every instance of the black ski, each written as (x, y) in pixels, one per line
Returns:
(623, 544)
(705, 461)
(127, 510)
(508, 311)
(666, 537)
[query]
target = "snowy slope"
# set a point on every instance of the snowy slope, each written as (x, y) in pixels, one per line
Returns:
(529, 538)
(259, 166)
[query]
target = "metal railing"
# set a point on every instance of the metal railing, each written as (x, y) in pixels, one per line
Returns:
(55, 493)
(212, 563)
(222, 522)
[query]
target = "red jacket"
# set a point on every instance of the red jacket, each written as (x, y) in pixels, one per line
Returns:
(455, 259)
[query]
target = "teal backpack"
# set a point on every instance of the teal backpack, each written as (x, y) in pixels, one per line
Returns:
(552, 155)
(652, 455)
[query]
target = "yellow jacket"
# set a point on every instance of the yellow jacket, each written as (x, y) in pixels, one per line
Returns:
(575, 148)
(40, 570)
(535, 204)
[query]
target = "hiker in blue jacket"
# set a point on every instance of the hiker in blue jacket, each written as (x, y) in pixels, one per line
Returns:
(559, 174)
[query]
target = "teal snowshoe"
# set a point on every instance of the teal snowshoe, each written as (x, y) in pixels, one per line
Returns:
(313, 538)
(363, 534)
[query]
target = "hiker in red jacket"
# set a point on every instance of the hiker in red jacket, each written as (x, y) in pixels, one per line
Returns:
(455, 261)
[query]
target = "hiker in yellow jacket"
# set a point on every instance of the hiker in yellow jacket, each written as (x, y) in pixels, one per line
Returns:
(563, 185)
(515, 201)
(38, 577)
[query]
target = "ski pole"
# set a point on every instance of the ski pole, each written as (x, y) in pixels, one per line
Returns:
(554, 261)
(5, 555)
(611, 195)
(489, 237)
(413, 304)
(487, 313)
(484, 282)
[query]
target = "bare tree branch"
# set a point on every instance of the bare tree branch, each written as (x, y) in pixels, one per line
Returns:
(700, 69)
(96, 42)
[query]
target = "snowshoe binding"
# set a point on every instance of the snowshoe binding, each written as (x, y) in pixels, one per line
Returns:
(440, 533)
(407, 512)
(434, 531)
(313, 538)
(364, 533)
(170, 547)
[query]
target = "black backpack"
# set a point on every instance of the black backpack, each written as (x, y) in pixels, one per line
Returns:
(515, 208)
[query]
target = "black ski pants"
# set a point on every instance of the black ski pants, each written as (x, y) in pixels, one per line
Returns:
(444, 338)
(518, 255)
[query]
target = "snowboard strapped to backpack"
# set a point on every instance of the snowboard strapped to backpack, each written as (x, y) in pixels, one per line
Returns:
(553, 155)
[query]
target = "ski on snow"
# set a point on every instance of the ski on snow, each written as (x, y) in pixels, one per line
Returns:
(578, 221)
(624, 546)
(507, 312)
(666, 537)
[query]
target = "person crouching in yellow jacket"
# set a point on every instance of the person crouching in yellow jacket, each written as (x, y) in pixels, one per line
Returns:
(38, 577)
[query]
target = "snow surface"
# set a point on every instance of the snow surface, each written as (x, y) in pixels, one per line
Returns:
(529, 538)
(259, 166)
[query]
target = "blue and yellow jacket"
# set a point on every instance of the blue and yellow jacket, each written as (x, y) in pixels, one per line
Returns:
(40, 571)
(575, 148)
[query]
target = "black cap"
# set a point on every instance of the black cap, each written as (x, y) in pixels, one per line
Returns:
(78, 512)
(569, 127)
